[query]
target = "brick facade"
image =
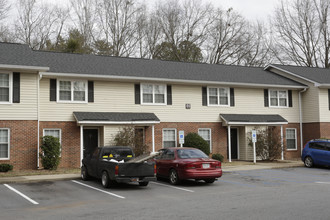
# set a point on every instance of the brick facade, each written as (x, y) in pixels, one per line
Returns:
(23, 144)
(70, 142)
(292, 154)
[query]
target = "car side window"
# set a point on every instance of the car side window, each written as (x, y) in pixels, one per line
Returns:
(327, 147)
(169, 154)
(317, 145)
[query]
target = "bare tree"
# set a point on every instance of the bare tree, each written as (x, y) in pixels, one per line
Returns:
(118, 22)
(4, 31)
(36, 24)
(302, 33)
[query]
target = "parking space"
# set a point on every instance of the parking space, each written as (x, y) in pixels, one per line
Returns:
(233, 191)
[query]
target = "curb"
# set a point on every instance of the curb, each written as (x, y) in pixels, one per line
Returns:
(233, 169)
(36, 178)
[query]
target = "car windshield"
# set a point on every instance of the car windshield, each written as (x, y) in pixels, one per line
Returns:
(191, 153)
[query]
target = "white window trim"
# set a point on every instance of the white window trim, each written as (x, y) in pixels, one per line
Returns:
(153, 94)
(278, 98)
(169, 129)
(210, 136)
(10, 88)
(208, 97)
(60, 138)
(8, 158)
(286, 138)
(72, 91)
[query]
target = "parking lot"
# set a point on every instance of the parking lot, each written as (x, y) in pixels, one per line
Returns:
(292, 193)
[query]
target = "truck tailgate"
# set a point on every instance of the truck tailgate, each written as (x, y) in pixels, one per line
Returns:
(136, 169)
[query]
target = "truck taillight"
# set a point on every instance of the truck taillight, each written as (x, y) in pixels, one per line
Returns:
(116, 170)
(155, 169)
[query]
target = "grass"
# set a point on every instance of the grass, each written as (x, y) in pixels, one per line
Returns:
(39, 172)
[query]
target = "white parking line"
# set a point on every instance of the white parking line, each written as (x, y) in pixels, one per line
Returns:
(109, 193)
(323, 182)
(174, 187)
(21, 194)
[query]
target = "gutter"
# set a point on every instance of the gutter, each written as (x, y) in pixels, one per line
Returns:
(38, 117)
(300, 121)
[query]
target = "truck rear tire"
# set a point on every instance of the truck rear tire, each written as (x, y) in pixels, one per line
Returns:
(144, 183)
(105, 179)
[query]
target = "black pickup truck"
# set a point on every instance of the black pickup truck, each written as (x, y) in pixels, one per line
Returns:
(113, 165)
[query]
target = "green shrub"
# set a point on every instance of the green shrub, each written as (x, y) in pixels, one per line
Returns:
(218, 157)
(196, 141)
(5, 167)
(50, 152)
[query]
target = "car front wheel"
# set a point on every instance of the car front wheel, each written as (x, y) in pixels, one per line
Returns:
(308, 162)
(84, 173)
(105, 179)
(174, 177)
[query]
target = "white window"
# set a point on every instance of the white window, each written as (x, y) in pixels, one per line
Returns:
(218, 96)
(278, 98)
(291, 139)
(169, 137)
(205, 133)
(72, 91)
(4, 143)
(5, 87)
(153, 94)
(54, 133)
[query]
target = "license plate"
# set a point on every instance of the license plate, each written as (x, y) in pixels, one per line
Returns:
(206, 165)
(135, 180)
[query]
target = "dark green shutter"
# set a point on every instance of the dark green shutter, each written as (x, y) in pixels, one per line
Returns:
(290, 98)
(137, 94)
(169, 94)
(204, 96)
(266, 97)
(232, 97)
(16, 87)
(52, 90)
(90, 91)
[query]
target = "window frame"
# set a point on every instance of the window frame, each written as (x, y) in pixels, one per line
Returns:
(153, 94)
(175, 137)
(10, 98)
(278, 98)
(286, 138)
(210, 130)
(72, 81)
(8, 143)
(60, 136)
(218, 96)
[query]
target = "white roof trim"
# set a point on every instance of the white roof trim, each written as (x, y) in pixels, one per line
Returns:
(199, 82)
(288, 72)
(117, 122)
(19, 67)
(252, 123)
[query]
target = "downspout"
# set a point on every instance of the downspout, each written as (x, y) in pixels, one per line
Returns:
(38, 116)
(300, 121)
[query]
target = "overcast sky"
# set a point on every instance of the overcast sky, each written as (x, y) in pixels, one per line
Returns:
(250, 9)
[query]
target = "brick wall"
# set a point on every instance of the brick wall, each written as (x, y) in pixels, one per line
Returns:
(23, 144)
(292, 154)
(311, 131)
(70, 142)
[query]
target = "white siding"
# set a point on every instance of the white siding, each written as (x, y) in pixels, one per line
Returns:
(242, 143)
(109, 134)
(119, 97)
(324, 105)
(27, 108)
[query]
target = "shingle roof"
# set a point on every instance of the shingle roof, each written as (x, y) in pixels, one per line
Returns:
(319, 75)
(252, 119)
(115, 116)
(18, 54)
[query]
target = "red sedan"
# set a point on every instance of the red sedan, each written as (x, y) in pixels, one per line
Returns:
(187, 163)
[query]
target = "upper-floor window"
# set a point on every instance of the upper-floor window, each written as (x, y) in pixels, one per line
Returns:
(5, 87)
(218, 96)
(4, 143)
(278, 98)
(153, 94)
(72, 91)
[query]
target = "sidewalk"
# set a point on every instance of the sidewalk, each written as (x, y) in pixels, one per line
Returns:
(226, 167)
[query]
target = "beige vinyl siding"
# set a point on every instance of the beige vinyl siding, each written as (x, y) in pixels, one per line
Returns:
(324, 105)
(28, 106)
(109, 133)
(242, 143)
(310, 98)
(119, 97)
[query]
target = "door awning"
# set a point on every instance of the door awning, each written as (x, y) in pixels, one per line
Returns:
(115, 118)
(251, 119)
